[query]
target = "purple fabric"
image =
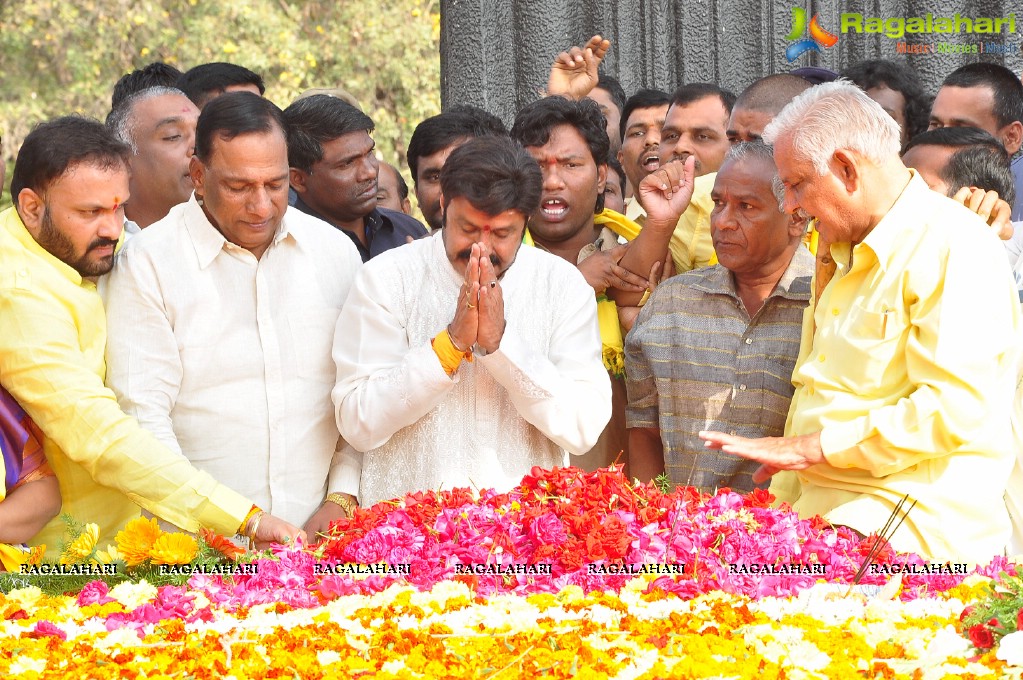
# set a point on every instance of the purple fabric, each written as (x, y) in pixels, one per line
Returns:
(13, 437)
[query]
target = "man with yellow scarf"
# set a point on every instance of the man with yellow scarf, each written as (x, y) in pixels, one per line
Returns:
(568, 140)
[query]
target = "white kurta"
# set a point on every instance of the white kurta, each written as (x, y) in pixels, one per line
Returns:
(226, 358)
(543, 394)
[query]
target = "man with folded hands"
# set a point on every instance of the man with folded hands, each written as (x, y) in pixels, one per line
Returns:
(466, 360)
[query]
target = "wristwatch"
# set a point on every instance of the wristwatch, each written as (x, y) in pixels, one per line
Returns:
(342, 500)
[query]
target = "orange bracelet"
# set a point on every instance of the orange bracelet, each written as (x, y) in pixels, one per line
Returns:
(450, 356)
(245, 522)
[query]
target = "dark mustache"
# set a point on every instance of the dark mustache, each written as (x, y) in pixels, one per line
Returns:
(100, 242)
(464, 255)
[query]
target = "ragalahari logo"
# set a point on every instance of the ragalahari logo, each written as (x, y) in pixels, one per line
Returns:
(819, 37)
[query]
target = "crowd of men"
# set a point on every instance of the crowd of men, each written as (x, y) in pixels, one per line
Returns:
(223, 314)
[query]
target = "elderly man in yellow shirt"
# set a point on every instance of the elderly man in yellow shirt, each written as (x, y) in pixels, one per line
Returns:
(69, 185)
(908, 360)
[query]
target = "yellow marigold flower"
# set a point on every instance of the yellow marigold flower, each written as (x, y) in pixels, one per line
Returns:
(614, 360)
(35, 555)
(174, 549)
(13, 556)
(138, 537)
(26, 598)
(24, 665)
(80, 548)
(108, 556)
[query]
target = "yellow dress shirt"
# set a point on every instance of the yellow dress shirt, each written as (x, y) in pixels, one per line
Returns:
(51, 361)
(691, 246)
(909, 378)
(811, 237)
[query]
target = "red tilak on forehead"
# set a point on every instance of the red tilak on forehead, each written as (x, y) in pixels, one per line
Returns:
(117, 202)
(486, 227)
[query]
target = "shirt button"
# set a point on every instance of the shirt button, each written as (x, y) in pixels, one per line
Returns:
(742, 387)
(809, 391)
(835, 311)
(821, 358)
(749, 341)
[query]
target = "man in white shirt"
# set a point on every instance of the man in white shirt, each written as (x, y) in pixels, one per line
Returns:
(466, 360)
(221, 318)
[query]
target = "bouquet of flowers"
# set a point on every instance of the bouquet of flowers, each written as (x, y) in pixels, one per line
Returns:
(597, 530)
(143, 552)
(996, 618)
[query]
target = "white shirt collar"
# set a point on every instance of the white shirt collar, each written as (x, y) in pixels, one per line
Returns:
(207, 239)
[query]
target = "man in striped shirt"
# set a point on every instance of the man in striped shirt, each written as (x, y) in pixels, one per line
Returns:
(714, 348)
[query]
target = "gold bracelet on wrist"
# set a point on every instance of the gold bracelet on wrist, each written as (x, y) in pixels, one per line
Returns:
(248, 518)
(455, 344)
(340, 499)
(253, 526)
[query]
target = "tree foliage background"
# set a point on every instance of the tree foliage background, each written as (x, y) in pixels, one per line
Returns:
(58, 58)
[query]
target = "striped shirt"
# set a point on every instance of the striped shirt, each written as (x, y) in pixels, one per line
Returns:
(696, 361)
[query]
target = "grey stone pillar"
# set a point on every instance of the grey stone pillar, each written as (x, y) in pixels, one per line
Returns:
(495, 54)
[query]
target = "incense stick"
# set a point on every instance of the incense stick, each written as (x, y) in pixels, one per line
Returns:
(882, 538)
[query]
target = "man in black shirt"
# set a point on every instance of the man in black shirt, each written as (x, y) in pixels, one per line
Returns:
(334, 174)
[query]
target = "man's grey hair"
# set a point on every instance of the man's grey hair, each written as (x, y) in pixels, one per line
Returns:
(121, 120)
(834, 116)
(765, 152)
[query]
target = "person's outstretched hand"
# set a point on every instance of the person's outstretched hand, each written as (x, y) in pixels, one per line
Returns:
(574, 73)
(991, 208)
(666, 192)
(275, 530)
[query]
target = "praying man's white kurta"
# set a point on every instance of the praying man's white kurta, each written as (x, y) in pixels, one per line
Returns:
(542, 395)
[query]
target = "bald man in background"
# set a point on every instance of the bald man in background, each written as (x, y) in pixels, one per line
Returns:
(760, 103)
